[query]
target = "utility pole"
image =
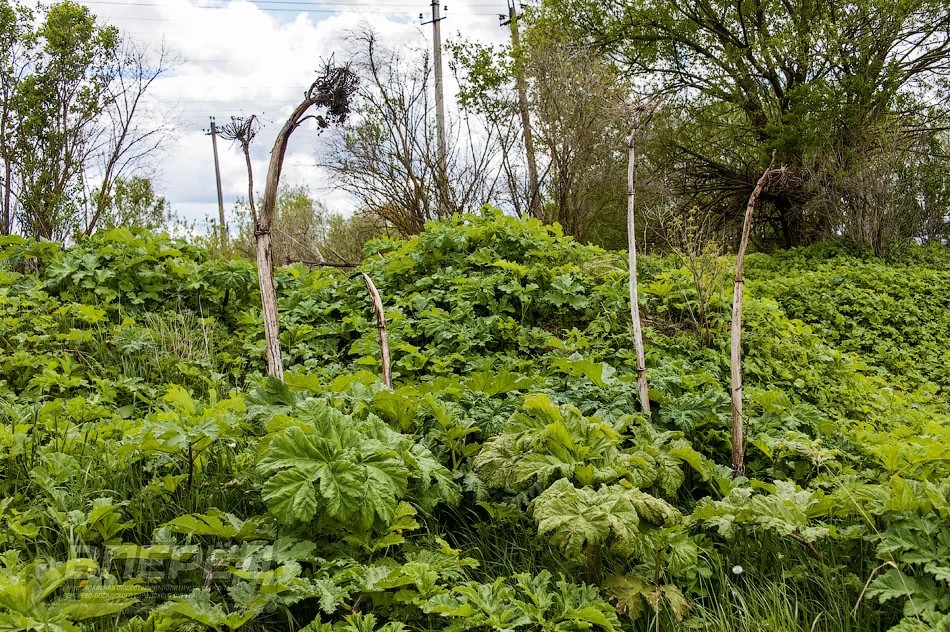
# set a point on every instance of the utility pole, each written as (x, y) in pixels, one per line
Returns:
(534, 203)
(213, 132)
(439, 101)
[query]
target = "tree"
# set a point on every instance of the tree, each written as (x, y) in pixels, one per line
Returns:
(811, 79)
(346, 236)
(300, 226)
(126, 136)
(388, 156)
(57, 104)
(492, 88)
(15, 43)
(572, 98)
(72, 95)
(132, 202)
(890, 193)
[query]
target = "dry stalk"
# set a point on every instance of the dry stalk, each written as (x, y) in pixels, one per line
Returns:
(381, 326)
(735, 359)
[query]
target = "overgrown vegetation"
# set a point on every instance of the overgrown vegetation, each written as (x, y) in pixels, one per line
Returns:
(152, 478)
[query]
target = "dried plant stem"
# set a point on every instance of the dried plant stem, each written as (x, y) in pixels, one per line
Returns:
(632, 260)
(735, 361)
(381, 326)
(332, 90)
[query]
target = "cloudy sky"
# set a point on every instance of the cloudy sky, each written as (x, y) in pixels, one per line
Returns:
(243, 57)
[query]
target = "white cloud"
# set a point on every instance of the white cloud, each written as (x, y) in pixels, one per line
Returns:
(242, 58)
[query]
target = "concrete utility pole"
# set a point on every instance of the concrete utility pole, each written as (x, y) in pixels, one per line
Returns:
(534, 203)
(213, 132)
(439, 101)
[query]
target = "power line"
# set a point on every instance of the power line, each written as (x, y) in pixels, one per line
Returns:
(363, 8)
(270, 2)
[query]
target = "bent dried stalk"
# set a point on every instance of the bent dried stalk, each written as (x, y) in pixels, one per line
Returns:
(735, 358)
(381, 326)
(332, 91)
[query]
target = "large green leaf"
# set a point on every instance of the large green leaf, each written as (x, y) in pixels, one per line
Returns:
(578, 518)
(329, 466)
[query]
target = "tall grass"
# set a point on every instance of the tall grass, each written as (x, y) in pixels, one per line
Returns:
(782, 588)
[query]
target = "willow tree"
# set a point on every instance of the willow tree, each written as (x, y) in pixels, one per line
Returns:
(326, 103)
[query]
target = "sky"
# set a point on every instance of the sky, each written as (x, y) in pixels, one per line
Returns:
(243, 57)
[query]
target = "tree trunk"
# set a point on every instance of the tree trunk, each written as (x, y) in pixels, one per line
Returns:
(7, 222)
(735, 360)
(632, 260)
(794, 230)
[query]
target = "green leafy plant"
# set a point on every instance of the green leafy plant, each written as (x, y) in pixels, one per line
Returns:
(535, 602)
(33, 595)
(136, 431)
(186, 430)
(349, 473)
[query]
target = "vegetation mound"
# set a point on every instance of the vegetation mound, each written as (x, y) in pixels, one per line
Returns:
(153, 478)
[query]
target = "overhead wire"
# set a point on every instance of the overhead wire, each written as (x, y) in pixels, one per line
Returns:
(391, 9)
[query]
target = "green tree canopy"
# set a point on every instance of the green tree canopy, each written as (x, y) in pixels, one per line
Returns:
(134, 202)
(70, 101)
(833, 87)
(573, 100)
